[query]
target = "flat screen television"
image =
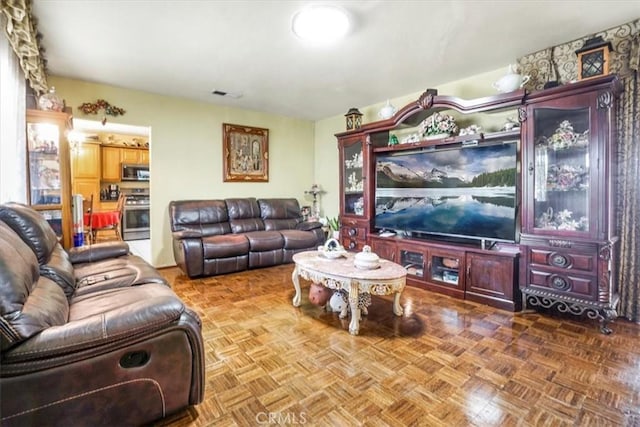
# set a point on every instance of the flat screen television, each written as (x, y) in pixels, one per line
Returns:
(466, 192)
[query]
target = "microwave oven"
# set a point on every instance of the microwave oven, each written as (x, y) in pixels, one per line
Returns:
(132, 172)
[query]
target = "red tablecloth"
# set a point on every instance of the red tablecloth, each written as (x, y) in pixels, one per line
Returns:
(102, 219)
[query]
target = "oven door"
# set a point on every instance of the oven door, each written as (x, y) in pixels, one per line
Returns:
(135, 222)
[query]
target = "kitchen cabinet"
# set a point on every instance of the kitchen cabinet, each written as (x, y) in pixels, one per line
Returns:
(113, 157)
(569, 231)
(85, 170)
(49, 170)
(134, 156)
(111, 170)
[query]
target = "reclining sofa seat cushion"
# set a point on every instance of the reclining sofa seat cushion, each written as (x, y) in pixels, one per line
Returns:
(29, 303)
(203, 243)
(284, 215)
(35, 231)
(265, 247)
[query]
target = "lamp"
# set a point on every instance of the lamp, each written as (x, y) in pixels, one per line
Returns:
(354, 119)
(593, 58)
(314, 191)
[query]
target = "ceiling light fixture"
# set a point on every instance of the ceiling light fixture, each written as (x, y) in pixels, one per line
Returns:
(320, 23)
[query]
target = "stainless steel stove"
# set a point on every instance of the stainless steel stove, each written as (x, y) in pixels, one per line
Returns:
(135, 215)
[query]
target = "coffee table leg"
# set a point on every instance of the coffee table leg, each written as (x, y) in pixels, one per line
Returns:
(397, 308)
(354, 326)
(296, 284)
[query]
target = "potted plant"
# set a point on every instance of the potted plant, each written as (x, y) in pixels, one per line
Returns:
(334, 225)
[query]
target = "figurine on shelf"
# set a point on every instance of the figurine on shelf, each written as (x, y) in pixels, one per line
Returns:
(414, 137)
(510, 124)
(471, 130)
(564, 137)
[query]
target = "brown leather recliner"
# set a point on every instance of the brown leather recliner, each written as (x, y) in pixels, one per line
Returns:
(213, 237)
(93, 336)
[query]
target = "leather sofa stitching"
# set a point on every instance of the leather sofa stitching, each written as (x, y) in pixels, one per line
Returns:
(126, 333)
(92, 392)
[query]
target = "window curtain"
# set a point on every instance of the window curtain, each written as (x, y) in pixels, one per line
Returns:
(559, 63)
(13, 180)
(21, 32)
(628, 116)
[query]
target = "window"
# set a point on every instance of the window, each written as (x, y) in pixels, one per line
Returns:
(13, 181)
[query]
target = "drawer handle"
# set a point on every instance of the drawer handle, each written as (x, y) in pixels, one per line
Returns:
(353, 232)
(352, 244)
(558, 260)
(559, 283)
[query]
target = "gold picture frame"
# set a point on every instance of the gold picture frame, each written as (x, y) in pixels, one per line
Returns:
(245, 153)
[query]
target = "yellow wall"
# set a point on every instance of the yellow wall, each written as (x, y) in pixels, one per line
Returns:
(186, 146)
(186, 150)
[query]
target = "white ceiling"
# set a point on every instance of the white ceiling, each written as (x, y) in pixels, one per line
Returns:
(189, 48)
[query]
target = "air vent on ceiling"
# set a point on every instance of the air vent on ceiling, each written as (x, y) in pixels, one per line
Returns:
(226, 94)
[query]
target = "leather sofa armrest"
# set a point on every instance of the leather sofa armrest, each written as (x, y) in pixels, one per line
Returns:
(102, 320)
(309, 225)
(98, 252)
(186, 234)
(189, 255)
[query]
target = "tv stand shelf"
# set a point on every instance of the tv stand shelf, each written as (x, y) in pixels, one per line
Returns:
(461, 271)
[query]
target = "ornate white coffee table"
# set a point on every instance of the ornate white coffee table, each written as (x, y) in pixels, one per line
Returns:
(340, 273)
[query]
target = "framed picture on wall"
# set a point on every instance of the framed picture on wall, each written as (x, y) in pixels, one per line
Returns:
(245, 153)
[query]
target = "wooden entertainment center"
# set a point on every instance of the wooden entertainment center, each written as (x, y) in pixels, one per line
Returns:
(564, 236)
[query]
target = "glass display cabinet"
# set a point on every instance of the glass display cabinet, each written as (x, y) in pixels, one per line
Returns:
(49, 172)
(562, 176)
(568, 229)
(354, 224)
(353, 179)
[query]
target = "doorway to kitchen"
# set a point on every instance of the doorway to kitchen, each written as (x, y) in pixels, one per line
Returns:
(118, 149)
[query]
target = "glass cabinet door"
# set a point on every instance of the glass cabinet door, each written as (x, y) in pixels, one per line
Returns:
(353, 182)
(444, 269)
(49, 174)
(562, 188)
(43, 144)
(413, 262)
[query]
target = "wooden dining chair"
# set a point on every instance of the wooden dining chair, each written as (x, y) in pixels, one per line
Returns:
(116, 226)
(87, 209)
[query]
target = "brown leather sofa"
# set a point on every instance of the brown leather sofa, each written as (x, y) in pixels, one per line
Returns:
(91, 336)
(213, 237)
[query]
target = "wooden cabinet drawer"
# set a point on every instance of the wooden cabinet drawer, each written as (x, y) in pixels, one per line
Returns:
(350, 232)
(563, 259)
(579, 286)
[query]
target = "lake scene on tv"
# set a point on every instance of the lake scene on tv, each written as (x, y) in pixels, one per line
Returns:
(467, 192)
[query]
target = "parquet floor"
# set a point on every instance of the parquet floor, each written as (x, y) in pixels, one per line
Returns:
(445, 362)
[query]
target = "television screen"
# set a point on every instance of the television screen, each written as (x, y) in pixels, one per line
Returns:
(467, 191)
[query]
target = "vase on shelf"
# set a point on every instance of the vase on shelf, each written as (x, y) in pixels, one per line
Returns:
(387, 111)
(50, 101)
